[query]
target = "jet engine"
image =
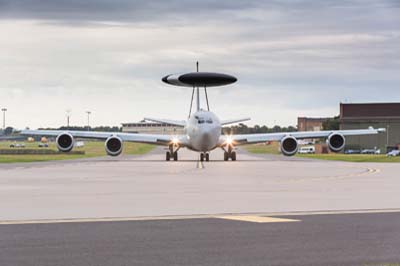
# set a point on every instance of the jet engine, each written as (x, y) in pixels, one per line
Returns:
(336, 142)
(113, 146)
(65, 142)
(289, 145)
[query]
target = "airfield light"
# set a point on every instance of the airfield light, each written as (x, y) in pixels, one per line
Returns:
(88, 119)
(4, 110)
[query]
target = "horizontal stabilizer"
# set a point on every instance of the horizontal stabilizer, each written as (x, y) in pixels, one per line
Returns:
(178, 123)
(233, 121)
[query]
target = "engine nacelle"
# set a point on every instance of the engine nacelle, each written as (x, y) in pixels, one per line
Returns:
(336, 142)
(114, 146)
(289, 146)
(65, 142)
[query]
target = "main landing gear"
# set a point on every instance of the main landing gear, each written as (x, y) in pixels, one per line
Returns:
(204, 156)
(171, 154)
(230, 155)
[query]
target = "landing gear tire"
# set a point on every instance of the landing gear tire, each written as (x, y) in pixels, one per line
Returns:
(167, 156)
(175, 156)
(201, 156)
(207, 157)
(233, 156)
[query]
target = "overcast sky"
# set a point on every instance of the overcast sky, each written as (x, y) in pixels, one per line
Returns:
(291, 58)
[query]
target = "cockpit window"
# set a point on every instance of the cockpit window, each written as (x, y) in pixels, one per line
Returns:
(209, 121)
(200, 120)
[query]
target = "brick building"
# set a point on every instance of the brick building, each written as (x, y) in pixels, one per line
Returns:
(310, 123)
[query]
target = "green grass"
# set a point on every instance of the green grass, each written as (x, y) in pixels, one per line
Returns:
(383, 264)
(273, 148)
(382, 158)
(91, 148)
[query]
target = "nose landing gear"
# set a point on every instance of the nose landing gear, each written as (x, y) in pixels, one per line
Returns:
(204, 156)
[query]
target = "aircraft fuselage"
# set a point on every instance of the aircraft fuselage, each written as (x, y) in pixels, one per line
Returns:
(203, 131)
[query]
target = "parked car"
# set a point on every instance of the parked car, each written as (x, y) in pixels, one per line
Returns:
(17, 145)
(79, 144)
(43, 145)
(371, 151)
(307, 150)
(352, 151)
(393, 153)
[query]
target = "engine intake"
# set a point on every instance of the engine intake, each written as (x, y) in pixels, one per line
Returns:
(289, 146)
(336, 142)
(114, 146)
(65, 142)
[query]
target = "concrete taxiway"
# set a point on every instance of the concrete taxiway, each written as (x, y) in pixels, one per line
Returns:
(149, 186)
(141, 210)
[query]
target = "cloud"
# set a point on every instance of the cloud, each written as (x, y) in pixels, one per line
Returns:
(303, 57)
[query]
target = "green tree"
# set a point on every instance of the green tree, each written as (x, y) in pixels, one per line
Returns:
(331, 123)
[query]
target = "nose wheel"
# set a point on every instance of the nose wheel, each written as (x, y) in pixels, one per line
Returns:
(204, 156)
(230, 155)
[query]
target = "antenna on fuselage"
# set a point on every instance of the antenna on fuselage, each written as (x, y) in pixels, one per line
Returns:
(197, 90)
(191, 101)
(198, 93)
(205, 90)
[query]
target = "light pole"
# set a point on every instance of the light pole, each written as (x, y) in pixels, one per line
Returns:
(88, 119)
(4, 110)
(387, 135)
(68, 111)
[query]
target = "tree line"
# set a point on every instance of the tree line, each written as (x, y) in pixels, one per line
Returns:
(244, 129)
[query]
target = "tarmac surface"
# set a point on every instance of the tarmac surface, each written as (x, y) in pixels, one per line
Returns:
(141, 210)
(334, 239)
(149, 186)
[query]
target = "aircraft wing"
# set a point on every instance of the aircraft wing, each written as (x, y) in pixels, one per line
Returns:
(178, 123)
(258, 138)
(233, 121)
(129, 137)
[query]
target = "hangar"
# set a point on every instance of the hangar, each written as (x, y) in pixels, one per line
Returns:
(151, 128)
(377, 115)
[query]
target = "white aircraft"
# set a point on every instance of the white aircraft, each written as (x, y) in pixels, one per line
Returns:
(202, 129)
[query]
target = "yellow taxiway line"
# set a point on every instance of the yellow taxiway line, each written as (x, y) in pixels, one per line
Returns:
(257, 219)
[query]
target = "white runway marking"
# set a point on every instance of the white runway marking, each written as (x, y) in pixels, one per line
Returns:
(248, 217)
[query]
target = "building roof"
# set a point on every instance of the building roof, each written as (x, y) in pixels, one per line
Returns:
(147, 124)
(321, 119)
(369, 110)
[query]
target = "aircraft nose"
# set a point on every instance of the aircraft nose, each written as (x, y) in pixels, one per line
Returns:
(206, 136)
